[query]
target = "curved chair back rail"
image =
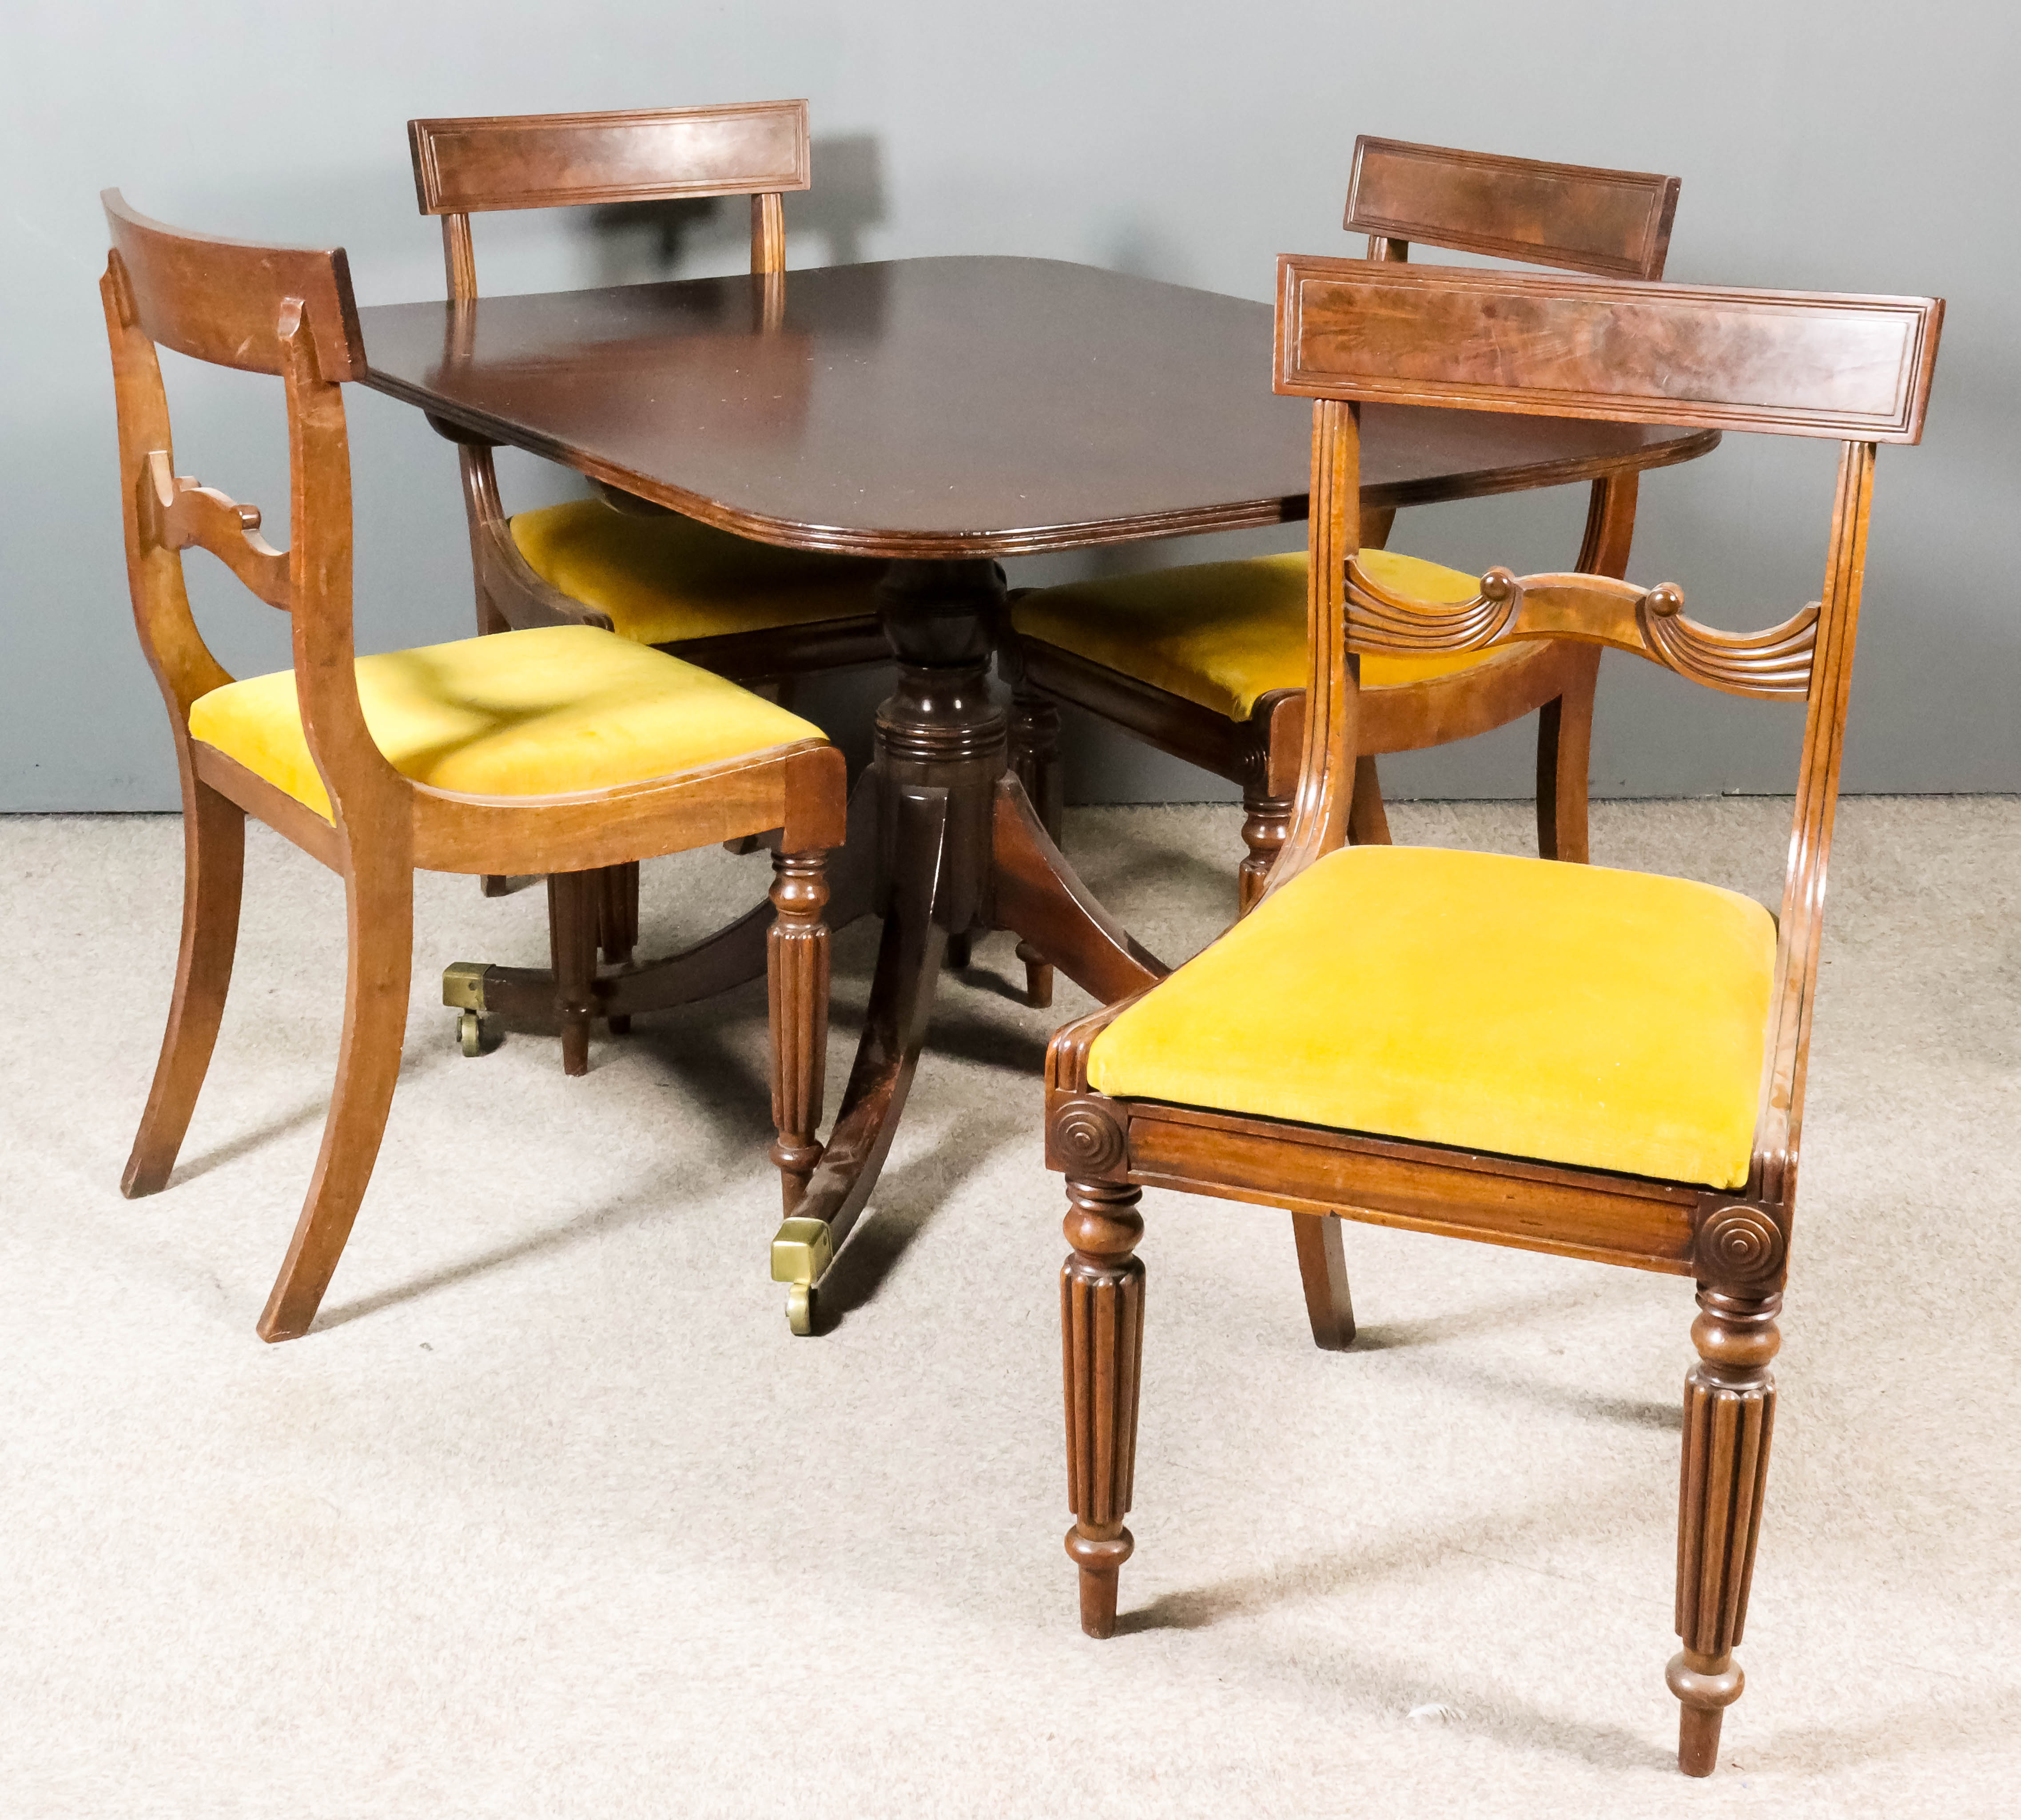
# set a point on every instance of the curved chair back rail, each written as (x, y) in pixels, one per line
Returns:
(1789, 363)
(219, 301)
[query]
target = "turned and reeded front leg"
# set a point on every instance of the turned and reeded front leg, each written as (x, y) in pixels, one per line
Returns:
(797, 979)
(1101, 1321)
(1729, 1411)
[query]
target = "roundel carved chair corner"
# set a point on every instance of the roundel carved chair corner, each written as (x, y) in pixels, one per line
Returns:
(1601, 1064)
(759, 615)
(467, 757)
(1207, 662)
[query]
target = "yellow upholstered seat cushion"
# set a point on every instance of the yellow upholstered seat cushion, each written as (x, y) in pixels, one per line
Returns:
(1223, 634)
(540, 713)
(661, 580)
(1606, 1019)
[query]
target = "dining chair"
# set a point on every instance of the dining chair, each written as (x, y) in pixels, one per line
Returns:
(1596, 1063)
(557, 749)
(1207, 662)
(759, 615)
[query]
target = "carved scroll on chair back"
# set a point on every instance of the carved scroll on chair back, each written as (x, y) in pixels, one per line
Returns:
(1853, 369)
(289, 312)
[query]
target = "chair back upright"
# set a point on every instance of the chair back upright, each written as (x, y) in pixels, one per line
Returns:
(287, 311)
(1612, 224)
(1856, 369)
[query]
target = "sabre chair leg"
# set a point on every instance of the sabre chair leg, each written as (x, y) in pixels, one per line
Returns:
(573, 922)
(796, 972)
(380, 909)
(1564, 755)
(1323, 1268)
(1367, 821)
(1101, 1321)
(1034, 757)
(1729, 1412)
(214, 878)
(618, 923)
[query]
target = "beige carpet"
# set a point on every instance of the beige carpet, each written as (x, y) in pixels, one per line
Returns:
(550, 1516)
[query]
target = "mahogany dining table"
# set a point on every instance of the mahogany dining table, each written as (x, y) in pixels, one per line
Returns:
(940, 413)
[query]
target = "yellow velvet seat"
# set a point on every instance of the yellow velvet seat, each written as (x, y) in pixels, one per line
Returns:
(1221, 635)
(1568, 1013)
(664, 579)
(543, 712)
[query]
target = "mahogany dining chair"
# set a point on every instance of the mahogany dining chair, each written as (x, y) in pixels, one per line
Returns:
(1207, 662)
(1597, 1064)
(556, 749)
(760, 615)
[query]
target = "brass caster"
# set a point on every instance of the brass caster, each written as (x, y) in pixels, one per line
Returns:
(463, 990)
(800, 1308)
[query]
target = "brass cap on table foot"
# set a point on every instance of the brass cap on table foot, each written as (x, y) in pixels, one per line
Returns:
(462, 985)
(801, 1250)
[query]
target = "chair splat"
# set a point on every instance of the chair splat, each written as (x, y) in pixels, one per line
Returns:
(176, 512)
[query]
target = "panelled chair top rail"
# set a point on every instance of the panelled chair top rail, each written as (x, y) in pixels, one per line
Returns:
(544, 161)
(1613, 223)
(1207, 662)
(759, 615)
(558, 749)
(1603, 1064)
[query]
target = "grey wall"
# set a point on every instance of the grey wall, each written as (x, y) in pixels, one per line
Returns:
(1854, 146)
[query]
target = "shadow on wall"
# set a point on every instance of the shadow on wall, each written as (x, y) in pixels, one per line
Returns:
(688, 236)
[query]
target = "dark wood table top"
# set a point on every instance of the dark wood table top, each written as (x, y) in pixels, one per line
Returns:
(944, 407)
